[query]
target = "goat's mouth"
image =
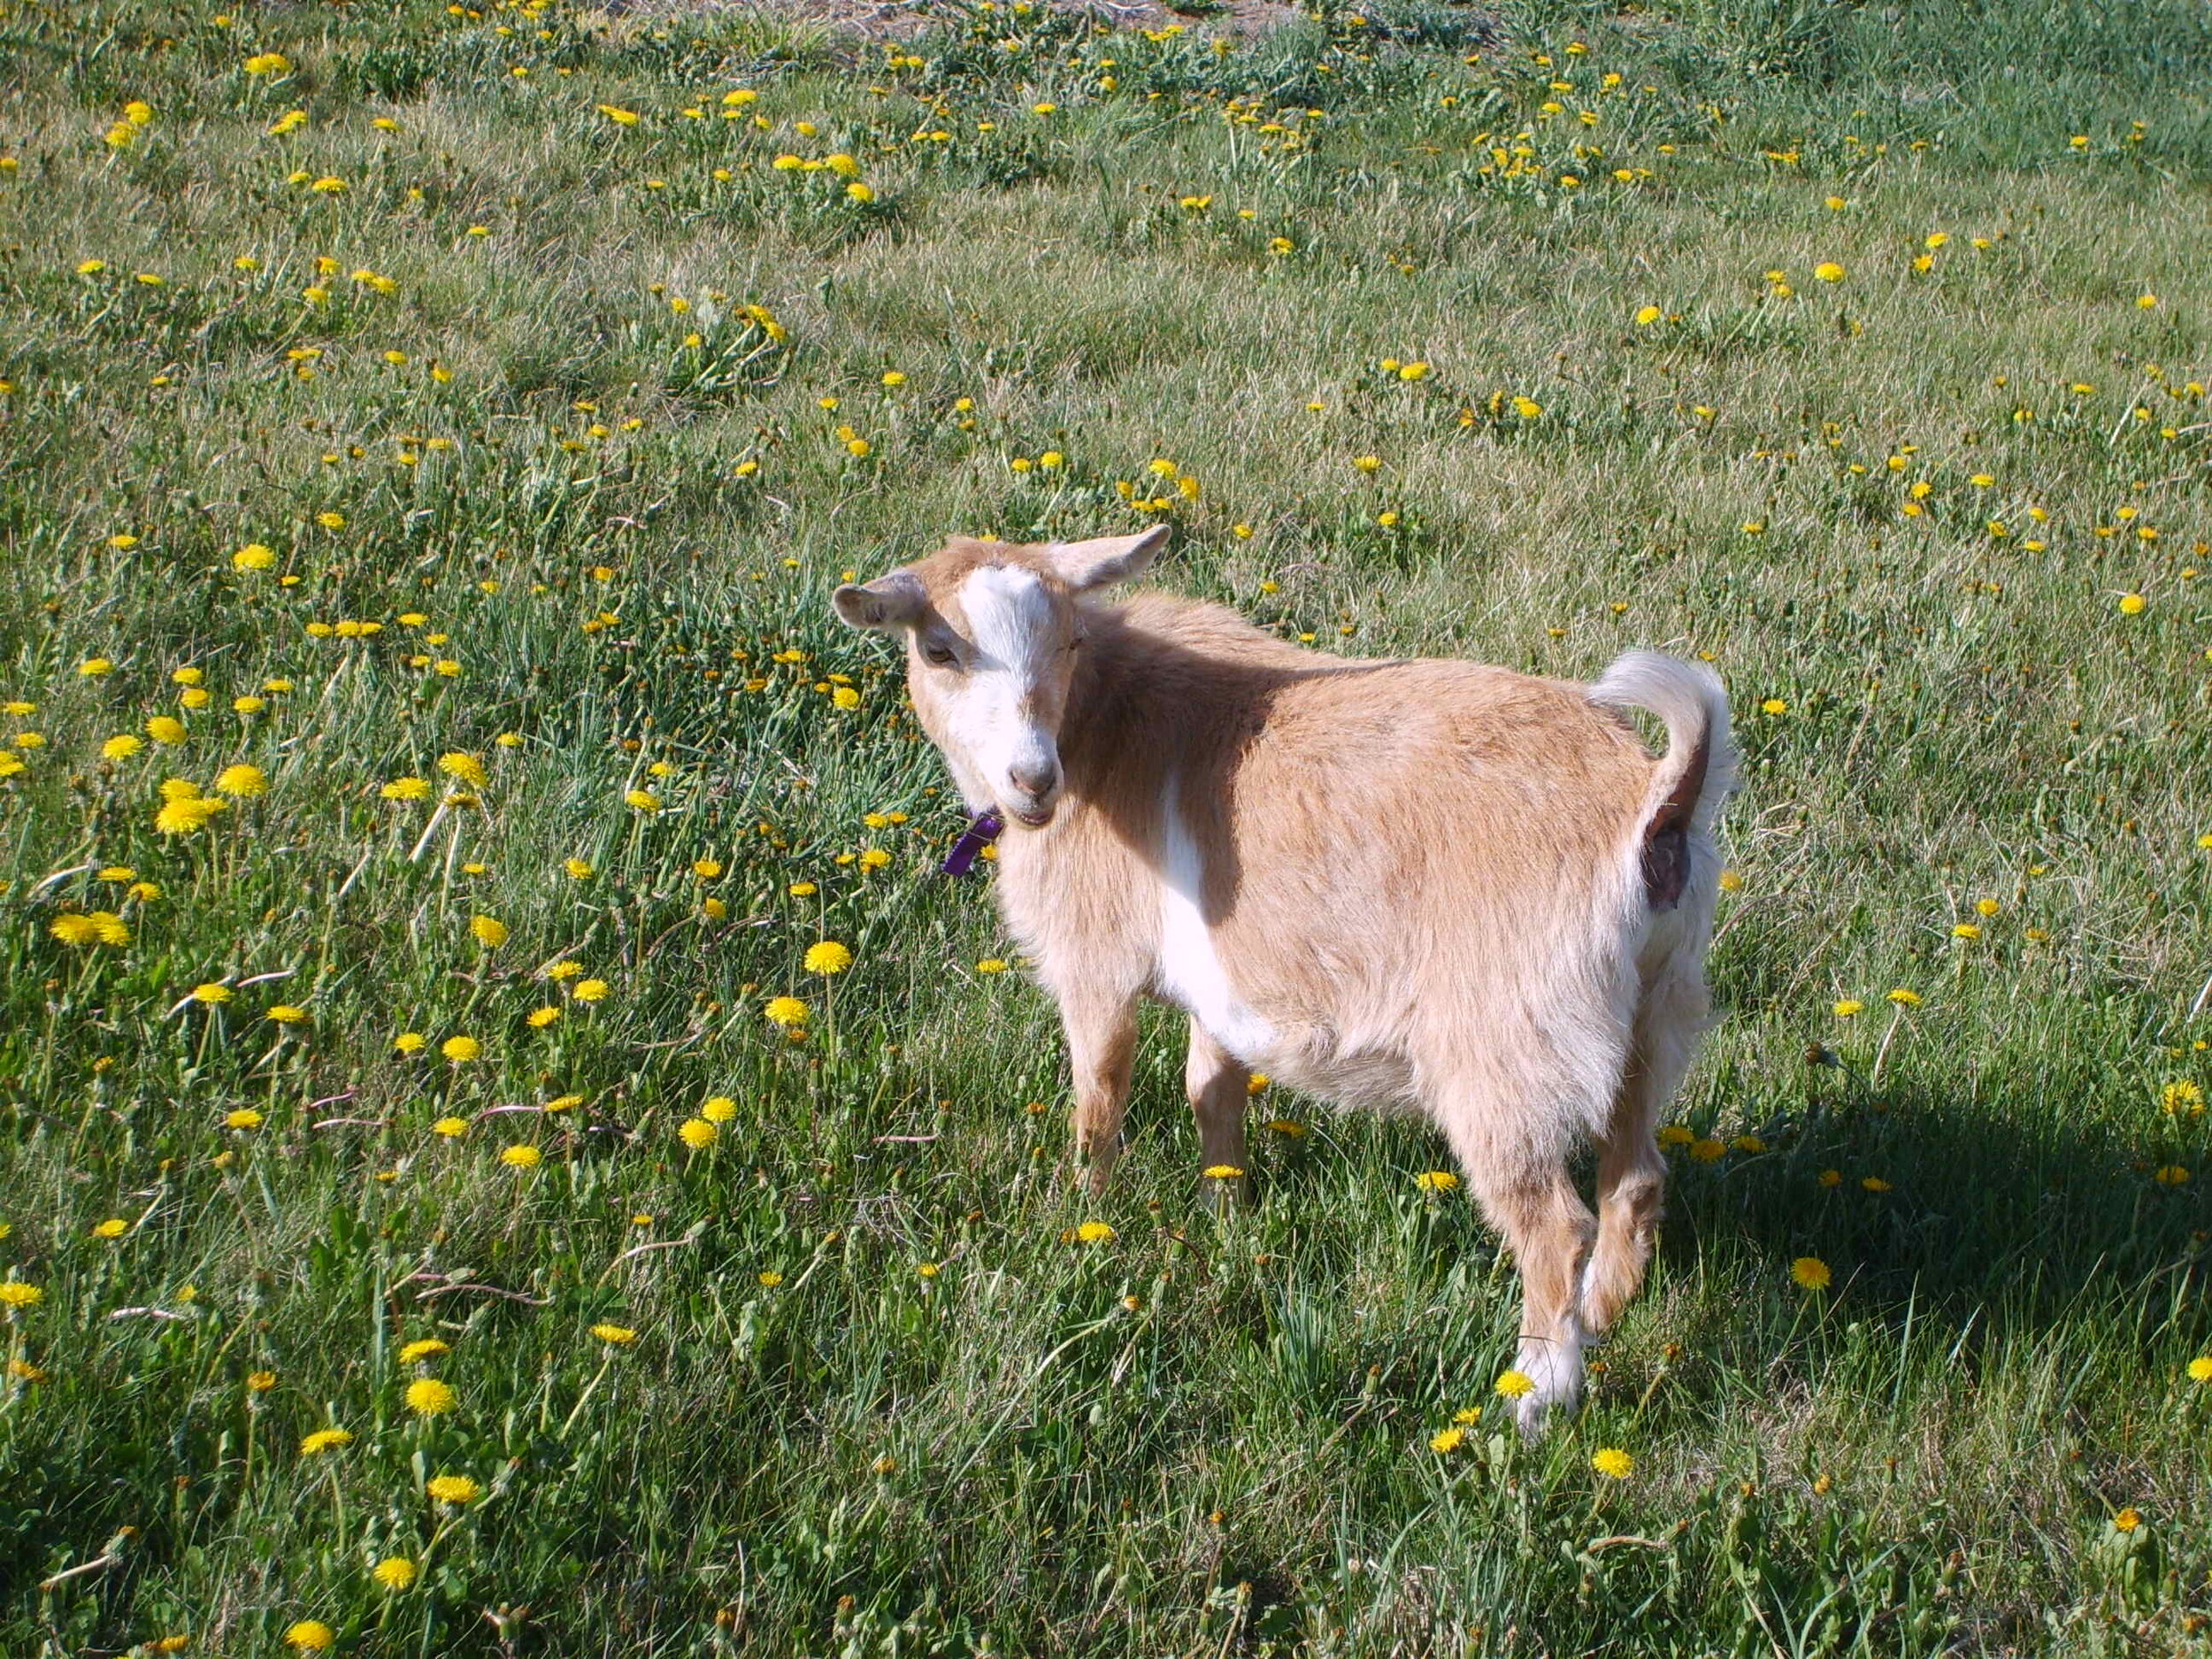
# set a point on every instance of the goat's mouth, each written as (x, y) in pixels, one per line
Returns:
(1035, 816)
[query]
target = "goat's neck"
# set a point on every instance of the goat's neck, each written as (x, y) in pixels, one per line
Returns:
(1120, 736)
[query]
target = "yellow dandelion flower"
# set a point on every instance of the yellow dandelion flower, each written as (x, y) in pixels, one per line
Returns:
(395, 1572)
(1221, 1172)
(1513, 1384)
(1811, 1272)
(423, 1348)
(614, 1335)
(310, 1635)
(522, 1156)
(1095, 1232)
(1436, 1181)
(1448, 1441)
(786, 1010)
(1613, 1463)
(326, 1440)
(829, 957)
(453, 1488)
(490, 932)
(697, 1133)
(428, 1397)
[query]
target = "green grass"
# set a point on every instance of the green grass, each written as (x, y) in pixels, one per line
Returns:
(621, 519)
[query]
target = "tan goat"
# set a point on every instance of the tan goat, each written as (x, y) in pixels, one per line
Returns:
(1392, 883)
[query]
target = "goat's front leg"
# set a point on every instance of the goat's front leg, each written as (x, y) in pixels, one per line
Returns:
(1101, 1042)
(1220, 1086)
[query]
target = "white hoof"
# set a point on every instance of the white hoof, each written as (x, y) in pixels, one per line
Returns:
(1555, 1368)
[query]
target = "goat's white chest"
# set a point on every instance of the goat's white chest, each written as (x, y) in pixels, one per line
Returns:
(1188, 970)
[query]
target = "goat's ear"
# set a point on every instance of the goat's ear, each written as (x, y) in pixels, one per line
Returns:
(1106, 559)
(887, 602)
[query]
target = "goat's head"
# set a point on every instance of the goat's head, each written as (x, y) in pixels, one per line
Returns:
(991, 632)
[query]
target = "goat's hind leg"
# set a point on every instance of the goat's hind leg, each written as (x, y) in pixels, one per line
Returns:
(1512, 1135)
(1632, 1174)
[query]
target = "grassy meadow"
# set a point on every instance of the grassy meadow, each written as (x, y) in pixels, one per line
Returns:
(446, 1207)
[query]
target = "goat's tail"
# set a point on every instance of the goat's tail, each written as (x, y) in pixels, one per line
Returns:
(1697, 772)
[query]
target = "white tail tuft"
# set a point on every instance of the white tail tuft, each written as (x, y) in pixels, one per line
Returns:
(1690, 699)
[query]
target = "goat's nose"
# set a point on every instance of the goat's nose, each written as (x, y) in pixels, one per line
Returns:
(1034, 779)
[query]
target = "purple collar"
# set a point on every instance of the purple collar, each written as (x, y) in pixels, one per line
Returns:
(982, 830)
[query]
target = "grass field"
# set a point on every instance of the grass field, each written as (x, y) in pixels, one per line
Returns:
(440, 1212)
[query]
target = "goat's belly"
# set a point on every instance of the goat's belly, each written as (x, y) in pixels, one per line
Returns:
(1321, 1063)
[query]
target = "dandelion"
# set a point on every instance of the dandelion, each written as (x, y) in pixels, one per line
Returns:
(1905, 998)
(1095, 1232)
(325, 1441)
(1811, 1272)
(697, 1133)
(1647, 316)
(310, 1635)
(522, 1156)
(1448, 1441)
(643, 800)
(578, 870)
(2132, 604)
(620, 117)
(829, 957)
(395, 1572)
(423, 1348)
(428, 1397)
(244, 1118)
(114, 1227)
(2181, 1098)
(213, 992)
(706, 869)
(453, 1488)
(1828, 271)
(719, 1109)
(991, 964)
(2201, 1369)
(1708, 1149)
(241, 781)
(406, 789)
(410, 1043)
(121, 747)
(95, 667)
(1513, 1384)
(1613, 1463)
(490, 932)
(166, 729)
(769, 1279)
(1849, 1007)
(260, 1382)
(1223, 1173)
(467, 768)
(1874, 1184)
(787, 1011)
(1436, 1181)
(590, 990)
(614, 1335)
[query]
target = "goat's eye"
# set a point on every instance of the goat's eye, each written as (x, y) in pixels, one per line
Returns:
(938, 655)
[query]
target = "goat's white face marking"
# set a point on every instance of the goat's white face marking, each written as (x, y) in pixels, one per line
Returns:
(1001, 714)
(1189, 972)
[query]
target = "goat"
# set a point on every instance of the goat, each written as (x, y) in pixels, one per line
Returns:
(1416, 882)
